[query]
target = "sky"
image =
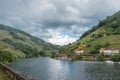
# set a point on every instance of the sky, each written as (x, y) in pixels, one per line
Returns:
(59, 22)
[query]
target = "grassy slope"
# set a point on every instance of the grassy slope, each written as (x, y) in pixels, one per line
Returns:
(4, 46)
(104, 27)
(28, 40)
(114, 41)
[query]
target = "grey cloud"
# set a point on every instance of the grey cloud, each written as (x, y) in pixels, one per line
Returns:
(37, 16)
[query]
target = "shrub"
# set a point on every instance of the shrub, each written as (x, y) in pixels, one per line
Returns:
(100, 57)
(88, 45)
(6, 56)
(53, 55)
(42, 53)
(97, 47)
(115, 58)
(106, 44)
(94, 52)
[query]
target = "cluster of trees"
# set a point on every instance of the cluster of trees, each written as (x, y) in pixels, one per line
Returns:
(97, 47)
(6, 56)
(42, 53)
(98, 35)
(29, 51)
(88, 32)
(100, 57)
(15, 36)
(111, 22)
(54, 54)
(115, 58)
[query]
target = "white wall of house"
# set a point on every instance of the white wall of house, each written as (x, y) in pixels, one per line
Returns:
(115, 51)
(107, 52)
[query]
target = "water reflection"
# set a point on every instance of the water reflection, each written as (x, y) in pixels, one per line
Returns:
(50, 69)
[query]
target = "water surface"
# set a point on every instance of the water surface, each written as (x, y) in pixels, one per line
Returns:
(50, 69)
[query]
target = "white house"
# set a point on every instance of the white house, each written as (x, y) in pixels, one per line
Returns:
(79, 52)
(109, 51)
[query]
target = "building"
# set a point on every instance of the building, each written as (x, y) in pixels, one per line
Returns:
(109, 51)
(79, 52)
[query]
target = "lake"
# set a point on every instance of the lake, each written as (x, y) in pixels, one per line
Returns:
(51, 69)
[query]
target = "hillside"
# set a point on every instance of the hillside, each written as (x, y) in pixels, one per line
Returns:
(105, 34)
(21, 44)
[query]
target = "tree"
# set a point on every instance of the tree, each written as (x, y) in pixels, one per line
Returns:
(101, 23)
(100, 57)
(97, 47)
(94, 52)
(42, 53)
(115, 58)
(53, 55)
(106, 44)
(6, 56)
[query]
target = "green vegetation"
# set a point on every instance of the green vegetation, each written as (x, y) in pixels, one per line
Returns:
(100, 57)
(94, 51)
(111, 25)
(29, 51)
(105, 34)
(42, 53)
(115, 58)
(22, 45)
(6, 56)
(54, 54)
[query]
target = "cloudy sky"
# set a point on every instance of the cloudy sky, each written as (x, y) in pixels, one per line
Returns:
(57, 21)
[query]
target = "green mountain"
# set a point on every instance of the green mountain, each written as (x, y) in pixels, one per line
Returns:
(105, 34)
(22, 45)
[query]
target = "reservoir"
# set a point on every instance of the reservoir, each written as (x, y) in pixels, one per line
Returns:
(51, 69)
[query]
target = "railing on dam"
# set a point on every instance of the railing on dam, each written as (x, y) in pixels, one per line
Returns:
(13, 74)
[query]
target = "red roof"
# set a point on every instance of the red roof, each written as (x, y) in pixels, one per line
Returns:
(109, 49)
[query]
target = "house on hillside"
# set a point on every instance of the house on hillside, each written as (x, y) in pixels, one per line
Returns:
(109, 51)
(79, 52)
